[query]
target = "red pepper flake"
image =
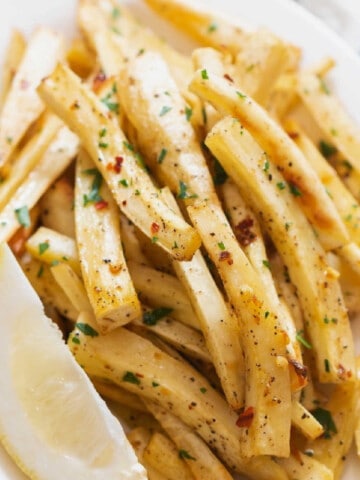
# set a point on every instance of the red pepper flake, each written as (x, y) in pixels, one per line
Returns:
(225, 256)
(98, 80)
(243, 232)
(101, 204)
(140, 375)
(155, 227)
(117, 165)
(227, 76)
(246, 417)
(24, 84)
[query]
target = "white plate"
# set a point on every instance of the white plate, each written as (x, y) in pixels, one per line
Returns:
(282, 16)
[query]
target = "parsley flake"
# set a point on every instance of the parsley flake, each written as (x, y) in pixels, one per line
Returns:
(152, 317)
(327, 149)
(188, 113)
(212, 27)
(221, 246)
(23, 217)
(240, 95)
(87, 329)
(130, 377)
(300, 338)
(162, 156)
(325, 418)
(204, 74)
(183, 194)
(185, 455)
(43, 247)
(165, 109)
(94, 195)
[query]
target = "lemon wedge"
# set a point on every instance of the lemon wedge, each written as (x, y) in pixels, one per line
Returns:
(52, 421)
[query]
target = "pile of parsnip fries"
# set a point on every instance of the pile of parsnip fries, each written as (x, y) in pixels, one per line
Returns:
(192, 225)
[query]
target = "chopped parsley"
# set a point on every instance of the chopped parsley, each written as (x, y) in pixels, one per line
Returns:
(204, 115)
(327, 365)
(183, 193)
(22, 215)
(76, 340)
(325, 418)
(165, 109)
(128, 146)
(94, 195)
(40, 271)
(87, 329)
(115, 13)
(300, 338)
(110, 104)
(240, 95)
(266, 165)
(294, 190)
(103, 145)
(131, 378)
(124, 182)
(323, 87)
(221, 246)
(204, 74)
(43, 247)
(281, 185)
(152, 317)
(162, 155)
(102, 132)
(266, 263)
(212, 27)
(185, 455)
(188, 113)
(327, 149)
(203, 390)
(154, 239)
(155, 384)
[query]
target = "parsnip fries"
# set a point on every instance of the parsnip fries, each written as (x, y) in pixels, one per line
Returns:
(117, 162)
(162, 120)
(327, 323)
(265, 421)
(303, 182)
(138, 366)
(106, 276)
(22, 105)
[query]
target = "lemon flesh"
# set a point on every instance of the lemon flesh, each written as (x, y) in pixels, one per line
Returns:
(52, 421)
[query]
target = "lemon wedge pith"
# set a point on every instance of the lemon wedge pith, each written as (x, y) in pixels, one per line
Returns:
(52, 421)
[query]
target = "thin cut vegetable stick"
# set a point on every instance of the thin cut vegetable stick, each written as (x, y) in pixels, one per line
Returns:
(162, 454)
(23, 106)
(117, 394)
(114, 157)
(305, 185)
(55, 160)
(218, 322)
(104, 270)
(265, 427)
(327, 323)
(304, 467)
(47, 288)
(28, 157)
(331, 117)
(210, 28)
(72, 286)
(155, 107)
(13, 55)
(305, 422)
(132, 247)
(52, 247)
(182, 337)
(160, 289)
(135, 364)
(200, 459)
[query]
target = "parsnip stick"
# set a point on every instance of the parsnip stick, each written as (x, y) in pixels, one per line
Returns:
(117, 394)
(248, 233)
(55, 160)
(115, 158)
(72, 286)
(22, 105)
(28, 157)
(13, 55)
(132, 247)
(209, 28)
(303, 182)
(267, 395)
(327, 323)
(203, 463)
(218, 322)
(346, 204)
(48, 290)
(182, 337)
(331, 117)
(304, 467)
(52, 247)
(159, 290)
(155, 107)
(305, 422)
(161, 453)
(57, 207)
(105, 273)
(140, 367)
